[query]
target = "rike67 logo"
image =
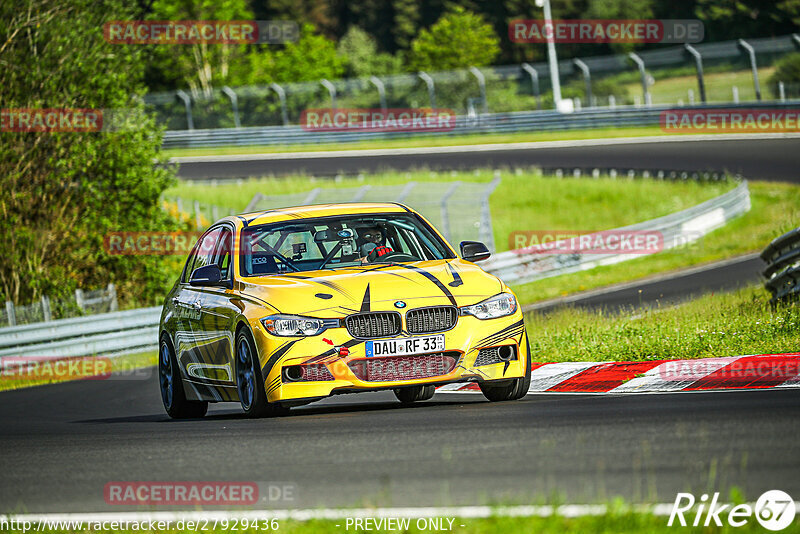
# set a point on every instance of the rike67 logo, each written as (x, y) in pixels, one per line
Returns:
(774, 510)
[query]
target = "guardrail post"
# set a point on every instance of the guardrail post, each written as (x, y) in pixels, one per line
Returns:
(534, 83)
(781, 92)
(46, 312)
(251, 206)
(796, 39)
(360, 193)
(12, 317)
(377, 82)
(234, 105)
(443, 209)
(485, 230)
(282, 97)
(112, 298)
(431, 87)
(643, 75)
(482, 85)
(752, 53)
(312, 195)
(79, 300)
(587, 78)
(331, 91)
(187, 103)
(197, 220)
(698, 60)
(735, 94)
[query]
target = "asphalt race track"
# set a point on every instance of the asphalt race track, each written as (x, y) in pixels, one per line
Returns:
(756, 159)
(61, 444)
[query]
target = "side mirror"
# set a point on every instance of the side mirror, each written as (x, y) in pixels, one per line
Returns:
(208, 276)
(474, 251)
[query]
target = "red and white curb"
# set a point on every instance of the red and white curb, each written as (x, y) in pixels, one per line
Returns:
(703, 374)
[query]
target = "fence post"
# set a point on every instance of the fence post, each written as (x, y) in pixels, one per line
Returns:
(752, 53)
(781, 92)
(698, 59)
(331, 91)
(405, 192)
(46, 311)
(312, 195)
(214, 212)
(179, 204)
(187, 103)
(735, 94)
(360, 193)
(587, 78)
(377, 82)
(282, 97)
(482, 85)
(12, 317)
(79, 298)
(534, 83)
(485, 230)
(443, 209)
(431, 87)
(112, 297)
(197, 220)
(234, 105)
(643, 75)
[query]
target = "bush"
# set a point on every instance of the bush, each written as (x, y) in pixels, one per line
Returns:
(63, 192)
(787, 70)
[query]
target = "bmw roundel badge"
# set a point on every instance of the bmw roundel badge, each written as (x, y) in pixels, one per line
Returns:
(399, 304)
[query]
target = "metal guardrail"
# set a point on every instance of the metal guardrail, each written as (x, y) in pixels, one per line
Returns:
(523, 121)
(107, 333)
(782, 274)
(683, 227)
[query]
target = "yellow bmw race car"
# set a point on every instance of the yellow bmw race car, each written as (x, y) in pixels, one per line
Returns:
(284, 307)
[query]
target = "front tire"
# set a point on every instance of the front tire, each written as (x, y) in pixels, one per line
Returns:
(249, 382)
(414, 393)
(516, 389)
(172, 393)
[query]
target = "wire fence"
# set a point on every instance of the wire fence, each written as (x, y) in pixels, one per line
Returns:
(86, 302)
(497, 89)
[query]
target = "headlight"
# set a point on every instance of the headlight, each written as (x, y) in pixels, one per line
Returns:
(491, 308)
(294, 325)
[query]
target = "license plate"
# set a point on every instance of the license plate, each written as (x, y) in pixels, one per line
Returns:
(404, 346)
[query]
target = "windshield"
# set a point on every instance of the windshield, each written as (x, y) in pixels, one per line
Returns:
(335, 242)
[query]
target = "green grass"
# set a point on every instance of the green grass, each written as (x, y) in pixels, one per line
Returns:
(526, 201)
(719, 87)
(727, 324)
(619, 520)
(416, 142)
(120, 364)
(775, 210)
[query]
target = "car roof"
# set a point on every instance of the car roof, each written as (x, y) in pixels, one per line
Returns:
(318, 210)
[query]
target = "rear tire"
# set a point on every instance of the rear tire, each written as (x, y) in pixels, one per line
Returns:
(172, 393)
(518, 387)
(249, 382)
(414, 393)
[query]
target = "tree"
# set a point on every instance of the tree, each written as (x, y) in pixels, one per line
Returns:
(459, 39)
(620, 10)
(360, 53)
(60, 193)
(311, 58)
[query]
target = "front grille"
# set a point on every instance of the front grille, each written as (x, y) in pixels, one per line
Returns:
(492, 355)
(433, 319)
(373, 324)
(404, 367)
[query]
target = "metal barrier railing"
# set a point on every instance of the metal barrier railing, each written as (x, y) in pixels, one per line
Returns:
(782, 274)
(525, 121)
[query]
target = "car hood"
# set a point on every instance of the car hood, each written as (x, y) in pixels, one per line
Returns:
(375, 287)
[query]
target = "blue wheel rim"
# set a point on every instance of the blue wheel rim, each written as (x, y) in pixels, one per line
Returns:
(245, 373)
(166, 376)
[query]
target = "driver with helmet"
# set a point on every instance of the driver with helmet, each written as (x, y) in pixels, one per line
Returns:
(373, 244)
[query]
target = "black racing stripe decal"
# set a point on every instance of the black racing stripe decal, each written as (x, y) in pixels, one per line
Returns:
(433, 279)
(504, 333)
(275, 384)
(492, 340)
(333, 351)
(365, 301)
(456, 277)
(283, 349)
(326, 283)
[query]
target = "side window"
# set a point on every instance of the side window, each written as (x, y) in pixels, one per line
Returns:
(203, 253)
(223, 256)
